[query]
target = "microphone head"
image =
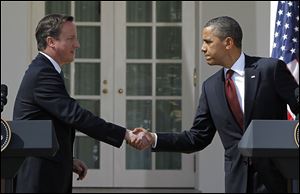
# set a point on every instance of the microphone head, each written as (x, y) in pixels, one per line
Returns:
(3, 95)
(3, 90)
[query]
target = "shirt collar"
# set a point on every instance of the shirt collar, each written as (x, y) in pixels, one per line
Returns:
(239, 66)
(56, 65)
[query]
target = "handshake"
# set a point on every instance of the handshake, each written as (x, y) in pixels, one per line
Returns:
(139, 138)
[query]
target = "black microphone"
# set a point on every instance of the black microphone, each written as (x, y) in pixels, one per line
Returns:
(297, 94)
(3, 96)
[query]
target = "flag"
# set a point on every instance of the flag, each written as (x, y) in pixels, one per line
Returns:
(286, 38)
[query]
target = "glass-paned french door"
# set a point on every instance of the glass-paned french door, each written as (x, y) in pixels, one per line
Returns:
(134, 68)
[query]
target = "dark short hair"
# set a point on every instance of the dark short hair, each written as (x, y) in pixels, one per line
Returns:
(225, 26)
(50, 25)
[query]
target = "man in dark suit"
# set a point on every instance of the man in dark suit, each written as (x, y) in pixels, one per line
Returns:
(42, 96)
(262, 86)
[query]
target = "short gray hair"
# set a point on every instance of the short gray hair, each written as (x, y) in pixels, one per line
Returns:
(51, 26)
(225, 26)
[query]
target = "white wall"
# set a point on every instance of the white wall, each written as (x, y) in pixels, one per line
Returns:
(254, 18)
(15, 48)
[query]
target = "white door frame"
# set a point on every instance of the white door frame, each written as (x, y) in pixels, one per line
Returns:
(103, 177)
(155, 178)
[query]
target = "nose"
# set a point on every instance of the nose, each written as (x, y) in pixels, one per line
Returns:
(77, 44)
(203, 48)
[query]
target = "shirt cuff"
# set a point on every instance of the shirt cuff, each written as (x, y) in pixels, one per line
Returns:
(155, 141)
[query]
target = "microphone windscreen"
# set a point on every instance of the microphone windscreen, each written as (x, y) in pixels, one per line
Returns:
(3, 90)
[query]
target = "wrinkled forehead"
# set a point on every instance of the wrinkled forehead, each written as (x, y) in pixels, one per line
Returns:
(213, 32)
(209, 31)
(68, 28)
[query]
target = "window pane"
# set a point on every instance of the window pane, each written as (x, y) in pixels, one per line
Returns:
(139, 41)
(168, 115)
(91, 105)
(136, 159)
(139, 79)
(89, 39)
(168, 119)
(88, 150)
(168, 43)
(87, 11)
(168, 161)
(168, 11)
(87, 78)
(139, 11)
(61, 7)
(168, 79)
(139, 114)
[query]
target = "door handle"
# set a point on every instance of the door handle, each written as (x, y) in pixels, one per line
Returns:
(120, 91)
(105, 91)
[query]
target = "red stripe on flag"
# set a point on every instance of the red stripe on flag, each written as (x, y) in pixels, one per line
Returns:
(290, 117)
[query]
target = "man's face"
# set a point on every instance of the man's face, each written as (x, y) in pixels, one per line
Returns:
(66, 44)
(213, 48)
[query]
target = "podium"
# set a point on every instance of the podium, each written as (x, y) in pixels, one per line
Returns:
(28, 138)
(275, 139)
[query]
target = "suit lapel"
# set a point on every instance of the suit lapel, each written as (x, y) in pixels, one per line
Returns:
(252, 78)
(48, 62)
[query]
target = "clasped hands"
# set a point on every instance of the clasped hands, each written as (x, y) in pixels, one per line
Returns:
(139, 138)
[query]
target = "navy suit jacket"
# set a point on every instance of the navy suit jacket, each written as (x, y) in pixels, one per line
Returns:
(42, 96)
(269, 87)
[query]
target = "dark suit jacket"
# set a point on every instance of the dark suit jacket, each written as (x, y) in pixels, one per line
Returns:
(43, 96)
(266, 97)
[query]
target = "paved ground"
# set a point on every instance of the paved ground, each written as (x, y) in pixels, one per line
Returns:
(132, 190)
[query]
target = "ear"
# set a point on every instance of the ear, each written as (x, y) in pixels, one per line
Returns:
(50, 42)
(229, 43)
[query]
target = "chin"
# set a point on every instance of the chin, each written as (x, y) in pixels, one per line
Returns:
(210, 62)
(71, 60)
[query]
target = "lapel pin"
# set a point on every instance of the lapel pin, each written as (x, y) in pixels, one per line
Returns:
(252, 76)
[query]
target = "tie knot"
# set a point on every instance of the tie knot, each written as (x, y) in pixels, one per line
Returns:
(229, 74)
